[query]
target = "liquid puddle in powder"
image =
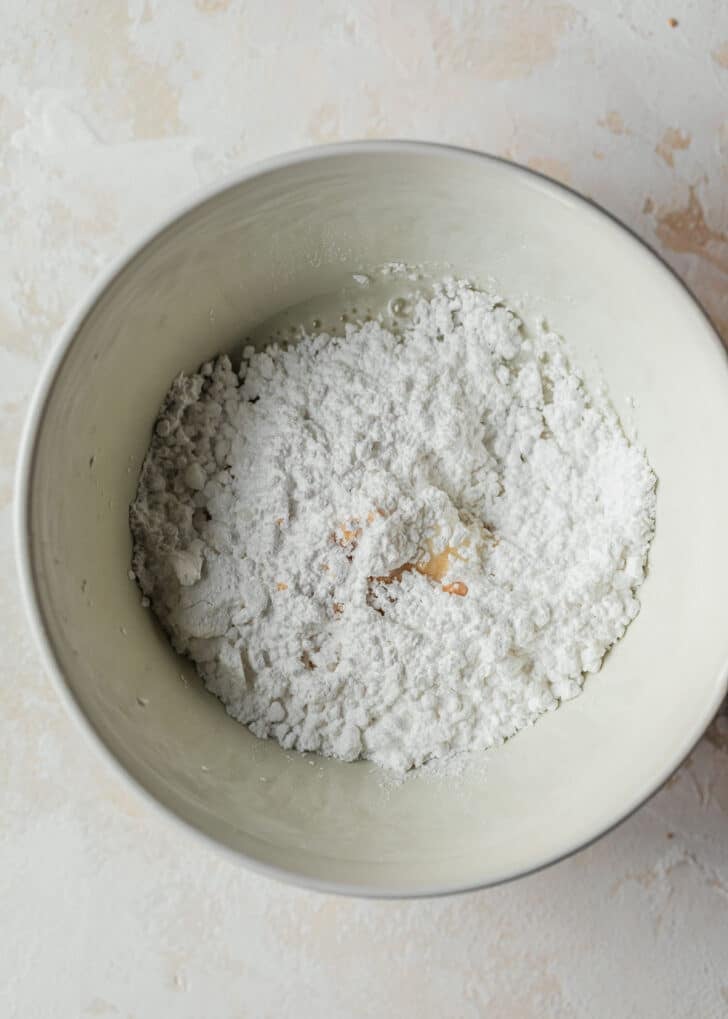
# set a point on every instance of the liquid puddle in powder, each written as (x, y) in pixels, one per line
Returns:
(435, 568)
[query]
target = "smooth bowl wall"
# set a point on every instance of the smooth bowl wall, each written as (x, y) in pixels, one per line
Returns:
(291, 230)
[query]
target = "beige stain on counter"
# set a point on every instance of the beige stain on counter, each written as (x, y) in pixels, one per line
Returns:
(555, 168)
(212, 6)
(686, 231)
(501, 46)
(376, 119)
(673, 140)
(323, 126)
(723, 144)
(614, 123)
(130, 87)
(100, 1007)
(721, 55)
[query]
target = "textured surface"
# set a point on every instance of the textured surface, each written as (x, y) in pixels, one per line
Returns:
(412, 562)
(111, 113)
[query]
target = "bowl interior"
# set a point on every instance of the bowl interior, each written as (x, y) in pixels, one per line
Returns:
(296, 231)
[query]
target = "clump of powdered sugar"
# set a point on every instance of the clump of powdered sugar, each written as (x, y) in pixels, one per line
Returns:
(397, 547)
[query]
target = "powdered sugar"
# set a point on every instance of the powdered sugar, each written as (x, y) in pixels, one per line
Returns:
(394, 546)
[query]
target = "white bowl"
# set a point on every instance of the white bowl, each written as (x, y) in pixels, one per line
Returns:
(286, 231)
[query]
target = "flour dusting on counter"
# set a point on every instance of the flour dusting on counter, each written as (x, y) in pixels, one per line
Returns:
(398, 545)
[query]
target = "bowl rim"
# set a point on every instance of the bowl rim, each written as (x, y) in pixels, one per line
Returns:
(23, 497)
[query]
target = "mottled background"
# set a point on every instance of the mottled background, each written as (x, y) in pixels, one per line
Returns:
(112, 112)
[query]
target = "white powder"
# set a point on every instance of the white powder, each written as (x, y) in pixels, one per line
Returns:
(394, 547)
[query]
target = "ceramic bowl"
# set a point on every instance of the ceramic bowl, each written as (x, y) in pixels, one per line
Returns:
(288, 231)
